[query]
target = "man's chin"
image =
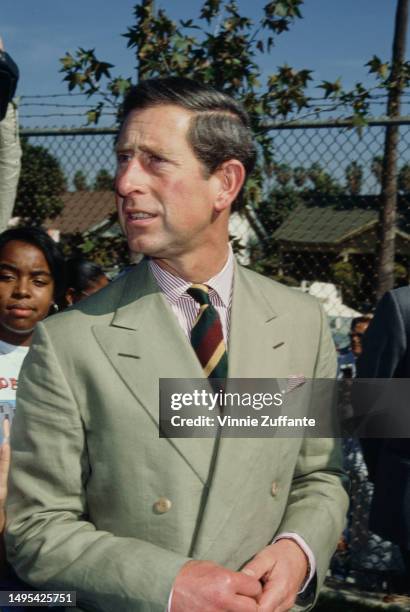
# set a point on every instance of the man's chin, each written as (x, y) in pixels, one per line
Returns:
(145, 247)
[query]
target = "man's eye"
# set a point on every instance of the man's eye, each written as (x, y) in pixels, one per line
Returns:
(123, 158)
(155, 160)
(39, 282)
(6, 277)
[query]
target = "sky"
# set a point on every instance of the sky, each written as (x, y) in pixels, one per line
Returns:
(335, 39)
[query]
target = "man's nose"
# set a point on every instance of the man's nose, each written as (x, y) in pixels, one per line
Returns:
(130, 178)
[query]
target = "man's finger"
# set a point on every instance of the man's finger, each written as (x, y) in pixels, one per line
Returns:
(4, 458)
(275, 598)
(259, 566)
(6, 430)
(247, 585)
(244, 604)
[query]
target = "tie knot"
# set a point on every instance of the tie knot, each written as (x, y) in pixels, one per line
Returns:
(200, 293)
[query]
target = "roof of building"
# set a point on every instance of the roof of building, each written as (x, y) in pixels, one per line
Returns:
(317, 224)
(83, 211)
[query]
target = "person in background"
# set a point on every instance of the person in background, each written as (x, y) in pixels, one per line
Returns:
(31, 282)
(84, 278)
(348, 355)
(10, 150)
(357, 331)
(361, 545)
(386, 354)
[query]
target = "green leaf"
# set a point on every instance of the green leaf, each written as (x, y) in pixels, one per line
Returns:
(376, 66)
(91, 116)
(87, 246)
(67, 62)
(331, 88)
(210, 9)
(119, 86)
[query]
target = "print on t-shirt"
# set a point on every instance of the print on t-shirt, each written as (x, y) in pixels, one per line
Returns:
(11, 360)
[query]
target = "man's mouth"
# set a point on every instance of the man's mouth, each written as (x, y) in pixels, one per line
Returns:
(139, 215)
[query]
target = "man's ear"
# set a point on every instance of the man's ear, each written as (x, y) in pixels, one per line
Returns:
(231, 175)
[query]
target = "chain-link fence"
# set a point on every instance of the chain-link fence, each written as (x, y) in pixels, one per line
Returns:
(331, 175)
(317, 230)
(318, 225)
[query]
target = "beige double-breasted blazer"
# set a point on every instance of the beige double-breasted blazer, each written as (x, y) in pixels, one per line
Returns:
(101, 505)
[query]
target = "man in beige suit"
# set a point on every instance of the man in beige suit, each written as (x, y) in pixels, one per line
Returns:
(98, 502)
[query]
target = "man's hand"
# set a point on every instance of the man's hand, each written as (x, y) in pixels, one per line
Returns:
(282, 568)
(204, 586)
(4, 470)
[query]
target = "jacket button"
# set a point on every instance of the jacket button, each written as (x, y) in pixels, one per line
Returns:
(162, 505)
(274, 488)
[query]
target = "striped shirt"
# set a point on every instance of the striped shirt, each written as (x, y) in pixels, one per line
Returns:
(185, 307)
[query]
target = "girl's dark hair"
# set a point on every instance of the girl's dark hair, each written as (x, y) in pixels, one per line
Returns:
(50, 249)
(81, 272)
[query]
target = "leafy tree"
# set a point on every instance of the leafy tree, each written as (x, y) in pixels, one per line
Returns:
(283, 174)
(107, 251)
(349, 279)
(277, 206)
(392, 77)
(41, 184)
(300, 176)
(354, 178)
(80, 181)
(104, 181)
(222, 47)
(323, 183)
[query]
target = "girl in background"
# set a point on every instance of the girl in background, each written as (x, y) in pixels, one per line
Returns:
(32, 281)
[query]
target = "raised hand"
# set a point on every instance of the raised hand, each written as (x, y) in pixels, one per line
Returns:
(4, 470)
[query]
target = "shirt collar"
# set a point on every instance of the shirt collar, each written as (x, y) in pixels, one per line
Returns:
(175, 286)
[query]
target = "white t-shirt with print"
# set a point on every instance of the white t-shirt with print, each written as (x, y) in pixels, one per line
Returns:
(11, 360)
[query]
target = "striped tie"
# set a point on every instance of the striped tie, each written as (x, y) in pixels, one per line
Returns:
(206, 335)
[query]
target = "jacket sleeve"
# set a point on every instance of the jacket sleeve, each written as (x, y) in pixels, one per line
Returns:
(51, 543)
(384, 347)
(384, 342)
(10, 163)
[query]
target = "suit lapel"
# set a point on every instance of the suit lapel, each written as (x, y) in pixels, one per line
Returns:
(144, 342)
(258, 345)
(258, 348)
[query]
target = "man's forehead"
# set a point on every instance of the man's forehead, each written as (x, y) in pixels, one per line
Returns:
(154, 125)
(136, 132)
